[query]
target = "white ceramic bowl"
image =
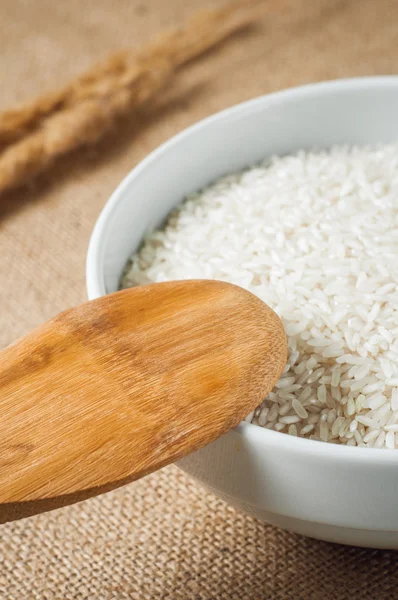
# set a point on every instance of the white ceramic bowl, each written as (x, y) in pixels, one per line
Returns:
(336, 493)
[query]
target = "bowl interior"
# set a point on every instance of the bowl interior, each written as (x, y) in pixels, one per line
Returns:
(356, 111)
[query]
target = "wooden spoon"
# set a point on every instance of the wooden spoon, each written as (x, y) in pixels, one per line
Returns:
(116, 388)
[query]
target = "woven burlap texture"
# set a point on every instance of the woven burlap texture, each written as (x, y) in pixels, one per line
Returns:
(163, 537)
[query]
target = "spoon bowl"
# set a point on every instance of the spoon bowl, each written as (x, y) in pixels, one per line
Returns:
(118, 387)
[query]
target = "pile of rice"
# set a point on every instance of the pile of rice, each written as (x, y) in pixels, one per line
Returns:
(315, 236)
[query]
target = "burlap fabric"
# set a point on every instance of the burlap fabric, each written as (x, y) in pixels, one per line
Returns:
(163, 537)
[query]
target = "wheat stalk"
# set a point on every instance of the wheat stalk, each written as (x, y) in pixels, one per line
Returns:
(36, 134)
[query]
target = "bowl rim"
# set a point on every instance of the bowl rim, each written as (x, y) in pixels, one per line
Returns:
(95, 256)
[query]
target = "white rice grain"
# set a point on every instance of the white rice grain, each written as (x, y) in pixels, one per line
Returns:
(390, 440)
(394, 399)
(314, 235)
(299, 409)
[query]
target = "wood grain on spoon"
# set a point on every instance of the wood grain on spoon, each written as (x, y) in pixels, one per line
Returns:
(116, 388)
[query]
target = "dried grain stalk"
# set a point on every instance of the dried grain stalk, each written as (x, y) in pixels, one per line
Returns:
(36, 134)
